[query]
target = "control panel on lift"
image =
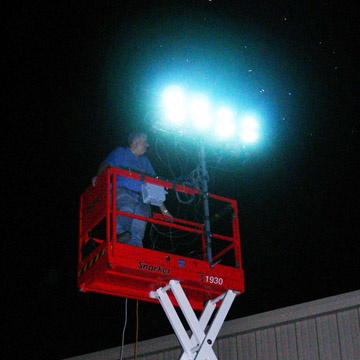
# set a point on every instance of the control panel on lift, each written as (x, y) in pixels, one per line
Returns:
(109, 267)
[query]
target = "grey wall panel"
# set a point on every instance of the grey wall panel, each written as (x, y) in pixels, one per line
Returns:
(227, 348)
(286, 346)
(246, 346)
(172, 354)
(216, 347)
(306, 339)
(266, 344)
(156, 356)
(349, 333)
(328, 337)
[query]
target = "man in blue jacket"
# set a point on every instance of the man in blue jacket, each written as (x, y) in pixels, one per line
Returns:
(128, 191)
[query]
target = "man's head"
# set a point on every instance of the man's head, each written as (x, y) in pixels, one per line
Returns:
(138, 143)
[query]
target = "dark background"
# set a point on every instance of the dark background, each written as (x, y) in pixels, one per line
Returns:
(79, 75)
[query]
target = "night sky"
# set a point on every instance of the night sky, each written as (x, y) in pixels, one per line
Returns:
(80, 75)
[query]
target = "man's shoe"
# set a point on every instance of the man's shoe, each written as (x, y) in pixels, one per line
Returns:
(124, 237)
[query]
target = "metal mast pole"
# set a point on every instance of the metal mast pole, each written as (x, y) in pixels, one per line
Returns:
(205, 194)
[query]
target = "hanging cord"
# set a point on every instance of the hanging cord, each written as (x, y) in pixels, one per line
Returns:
(166, 161)
(123, 333)
(137, 329)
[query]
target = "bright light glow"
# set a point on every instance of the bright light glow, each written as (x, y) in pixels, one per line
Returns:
(174, 103)
(200, 111)
(225, 126)
(195, 111)
(249, 131)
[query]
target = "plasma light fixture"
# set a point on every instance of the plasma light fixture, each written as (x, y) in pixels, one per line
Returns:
(195, 112)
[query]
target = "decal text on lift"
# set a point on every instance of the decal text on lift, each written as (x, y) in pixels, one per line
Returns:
(154, 268)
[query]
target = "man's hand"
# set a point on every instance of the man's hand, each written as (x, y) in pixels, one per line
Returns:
(165, 211)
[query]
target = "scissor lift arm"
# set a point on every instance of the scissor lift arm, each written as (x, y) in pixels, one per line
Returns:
(199, 345)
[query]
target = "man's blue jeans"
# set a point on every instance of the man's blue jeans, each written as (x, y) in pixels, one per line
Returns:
(131, 202)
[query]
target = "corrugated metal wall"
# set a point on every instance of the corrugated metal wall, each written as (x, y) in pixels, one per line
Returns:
(327, 337)
(327, 329)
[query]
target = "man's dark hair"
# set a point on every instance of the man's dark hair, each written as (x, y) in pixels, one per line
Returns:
(135, 135)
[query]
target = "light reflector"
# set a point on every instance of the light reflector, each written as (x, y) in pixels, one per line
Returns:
(174, 104)
(200, 111)
(225, 126)
(249, 129)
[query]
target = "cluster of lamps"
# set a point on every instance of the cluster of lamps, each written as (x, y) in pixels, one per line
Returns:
(195, 112)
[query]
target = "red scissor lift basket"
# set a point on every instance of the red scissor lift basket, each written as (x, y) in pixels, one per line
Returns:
(133, 272)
